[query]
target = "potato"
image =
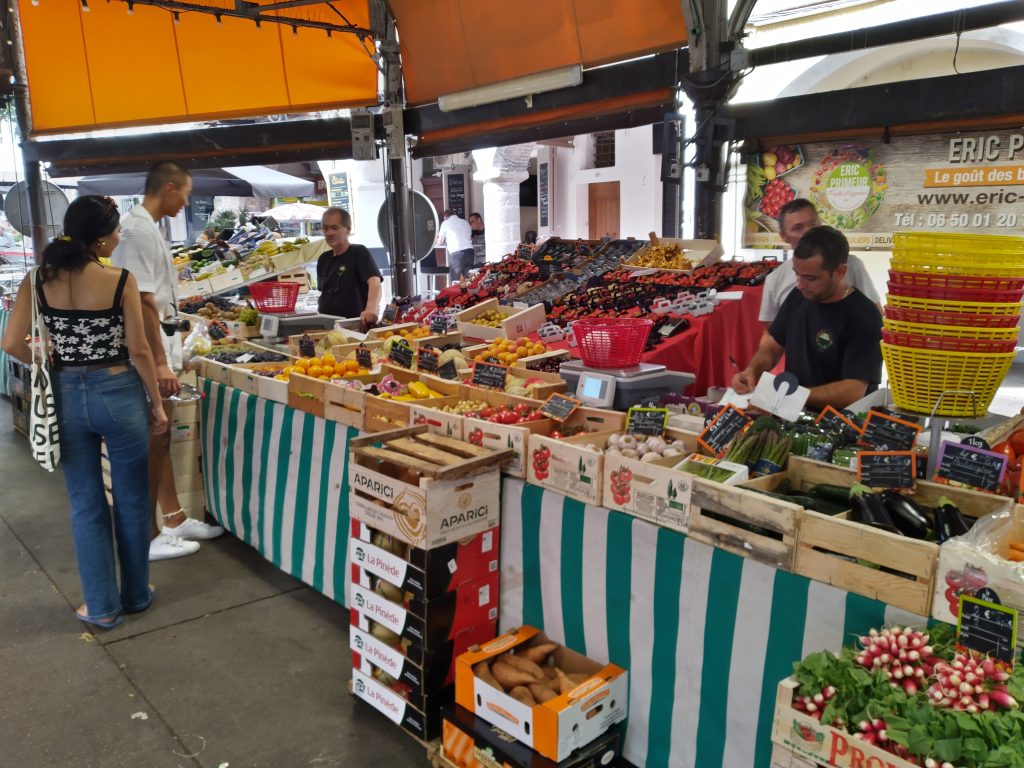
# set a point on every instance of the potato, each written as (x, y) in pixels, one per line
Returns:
(538, 654)
(542, 692)
(483, 671)
(383, 634)
(524, 665)
(390, 591)
(510, 676)
(523, 696)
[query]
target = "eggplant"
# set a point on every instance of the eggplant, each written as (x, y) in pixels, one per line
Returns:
(906, 516)
(949, 521)
(867, 508)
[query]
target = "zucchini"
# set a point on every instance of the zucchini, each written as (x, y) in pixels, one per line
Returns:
(807, 502)
(836, 494)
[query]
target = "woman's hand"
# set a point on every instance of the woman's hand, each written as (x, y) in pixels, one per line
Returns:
(158, 419)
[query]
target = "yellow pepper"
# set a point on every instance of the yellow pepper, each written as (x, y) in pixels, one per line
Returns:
(419, 389)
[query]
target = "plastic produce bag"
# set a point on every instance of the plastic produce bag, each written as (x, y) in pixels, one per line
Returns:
(197, 344)
(993, 533)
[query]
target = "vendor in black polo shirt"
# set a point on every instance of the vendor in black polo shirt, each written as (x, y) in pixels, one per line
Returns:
(829, 331)
(348, 279)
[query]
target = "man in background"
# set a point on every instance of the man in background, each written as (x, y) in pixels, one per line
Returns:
(476, 223)
(144, 252)
(456, 234)
(347, 276)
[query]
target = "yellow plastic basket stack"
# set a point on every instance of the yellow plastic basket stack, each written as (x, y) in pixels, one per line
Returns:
(951, 319)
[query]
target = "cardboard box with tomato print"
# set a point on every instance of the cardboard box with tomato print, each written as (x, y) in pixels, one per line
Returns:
(573, 466)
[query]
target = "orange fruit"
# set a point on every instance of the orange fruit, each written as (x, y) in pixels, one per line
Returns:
(315, 361)
(327, 359)
(324, 378)
(351, 365)
(315, 371)
(302, 363)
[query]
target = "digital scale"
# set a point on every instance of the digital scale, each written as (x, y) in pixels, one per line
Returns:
(277, 327)
(621, 388)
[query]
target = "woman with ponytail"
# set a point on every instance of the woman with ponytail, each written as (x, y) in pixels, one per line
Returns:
(103, 371)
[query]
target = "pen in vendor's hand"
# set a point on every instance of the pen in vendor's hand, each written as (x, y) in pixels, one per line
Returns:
(734, 365)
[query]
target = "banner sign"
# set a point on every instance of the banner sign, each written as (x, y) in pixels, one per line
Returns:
(941, 183)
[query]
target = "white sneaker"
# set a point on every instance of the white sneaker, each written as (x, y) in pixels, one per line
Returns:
(165, 547)
(193, 530)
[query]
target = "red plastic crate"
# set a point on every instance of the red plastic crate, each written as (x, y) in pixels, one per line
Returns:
(951, 294)
(948, 318)
(936, 344)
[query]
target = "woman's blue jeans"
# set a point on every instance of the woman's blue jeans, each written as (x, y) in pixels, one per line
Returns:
(107, 403)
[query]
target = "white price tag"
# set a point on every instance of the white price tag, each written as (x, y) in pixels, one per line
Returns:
(244, 358)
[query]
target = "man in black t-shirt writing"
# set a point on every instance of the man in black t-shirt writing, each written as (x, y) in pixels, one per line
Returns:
(829, 331)
(348, 279)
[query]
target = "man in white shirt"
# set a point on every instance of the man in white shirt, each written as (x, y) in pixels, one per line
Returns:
(796, 217)
(144, 252)
(457, 235)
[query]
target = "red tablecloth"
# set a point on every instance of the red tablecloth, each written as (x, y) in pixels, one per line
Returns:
(703, 349)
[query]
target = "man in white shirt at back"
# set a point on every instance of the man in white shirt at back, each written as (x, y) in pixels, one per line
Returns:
(796, 217)
(145, 253)
(456, 233)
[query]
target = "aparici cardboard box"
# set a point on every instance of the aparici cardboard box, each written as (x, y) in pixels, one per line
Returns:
(593, 696)
(422, 574)
(468, 741)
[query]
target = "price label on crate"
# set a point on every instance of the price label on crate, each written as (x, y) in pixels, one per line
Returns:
(887, 433)
(440, 322)
(490, 375)
(559, 407)
(987, 628)
(836, 421)
(427, 359)
(448, 371)
(729, 422)
(401, 355)
(961, 464)
(649, 422)
(390, 313)
(887, 470)
(364, 357)
(976, 442)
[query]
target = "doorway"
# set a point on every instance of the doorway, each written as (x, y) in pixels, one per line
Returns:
(604, 210)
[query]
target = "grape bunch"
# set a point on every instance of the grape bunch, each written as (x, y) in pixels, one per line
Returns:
(776, 195)
(192, 304)
(232, 356)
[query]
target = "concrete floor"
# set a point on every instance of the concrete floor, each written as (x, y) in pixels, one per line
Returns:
(236, 665)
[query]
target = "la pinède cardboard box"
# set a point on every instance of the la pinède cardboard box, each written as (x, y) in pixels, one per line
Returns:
(427, 573)
(412, 680)
(427, 624)
(560, 726)
(422, 511)
(424, 692)
(423, 724)
(468, 741)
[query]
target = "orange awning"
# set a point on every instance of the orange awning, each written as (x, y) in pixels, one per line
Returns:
(105, 68)
(454, 45)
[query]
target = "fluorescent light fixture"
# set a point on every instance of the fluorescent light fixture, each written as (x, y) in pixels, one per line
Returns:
(541, 82)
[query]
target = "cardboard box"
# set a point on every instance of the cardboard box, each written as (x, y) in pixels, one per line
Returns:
(433, 503)
(411, 680)
(225, 280)
(183, 432)
(186, 457)
(571, 467)
(428, 624)
(185, 412)
(515, 437)
(517, 322)
(558, 727)
(468, 741)
(701, 252)
(426, 573)
(654, 491)
(423, 725)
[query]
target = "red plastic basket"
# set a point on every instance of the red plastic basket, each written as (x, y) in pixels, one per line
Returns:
(948, 318)
(273, 296)
(609, 342)
(951, 294)
(957, 282)
(936, 344)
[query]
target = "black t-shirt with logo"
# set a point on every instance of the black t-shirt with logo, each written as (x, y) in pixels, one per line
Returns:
(343, 279)
(830, 342)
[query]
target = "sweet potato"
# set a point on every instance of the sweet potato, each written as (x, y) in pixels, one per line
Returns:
(483, 671)
(523, 696)
(550, 673)
(564, 683)
(538, 654)
(1018, 545)
(524, 665)
(1016, 556)
(542, 692)
(510, 676)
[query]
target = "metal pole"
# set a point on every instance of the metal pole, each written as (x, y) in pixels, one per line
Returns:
(33, 178)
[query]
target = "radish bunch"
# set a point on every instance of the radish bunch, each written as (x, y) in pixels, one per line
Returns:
(972, 684)
(902, 654)
(815, 705)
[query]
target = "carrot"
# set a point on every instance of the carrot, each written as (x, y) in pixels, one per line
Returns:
(1016, 556)
(1018, 545)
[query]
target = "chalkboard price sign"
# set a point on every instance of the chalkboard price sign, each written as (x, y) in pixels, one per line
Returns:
(729, 422)
(559, 407)
(457, 193)
(364, 357)
(887, 433)
(649, 422)
(390, 313)
(491, 375)
(401, 355)
(448, 371)
(439, 323)
(987, 628)
(887, 470)
(835, 421)
(975, 467)
(427, 359)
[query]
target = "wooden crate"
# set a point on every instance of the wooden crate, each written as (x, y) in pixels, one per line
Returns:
(243, 376)
(886, 566)
(518, 322)
(344, 405)
(515, 437)
(306, 394)
(426, 489)
(573, 468)
(786, 758)
(822, 745)
(429, 413)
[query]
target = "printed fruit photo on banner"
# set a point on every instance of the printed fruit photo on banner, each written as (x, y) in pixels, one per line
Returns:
(767, 192)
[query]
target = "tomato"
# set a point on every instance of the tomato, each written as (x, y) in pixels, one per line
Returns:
(1016, 440)
(486, 413)
(1007, 449)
